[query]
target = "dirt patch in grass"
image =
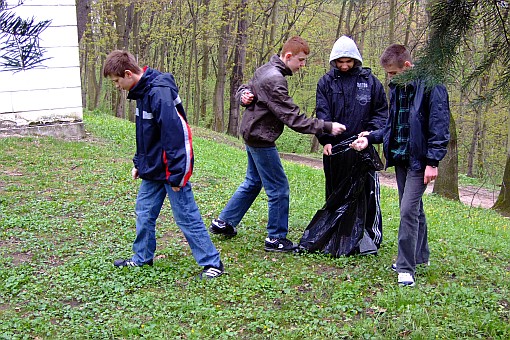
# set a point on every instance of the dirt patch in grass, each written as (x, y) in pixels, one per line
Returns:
(72, 303)
(19, 258)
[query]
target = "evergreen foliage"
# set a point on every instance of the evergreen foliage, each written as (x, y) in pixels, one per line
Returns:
(20, 49)
(450, 24)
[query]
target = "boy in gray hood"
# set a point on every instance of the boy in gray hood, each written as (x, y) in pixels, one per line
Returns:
(350, 94)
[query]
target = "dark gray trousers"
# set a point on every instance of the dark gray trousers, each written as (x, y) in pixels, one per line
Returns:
(413, 245)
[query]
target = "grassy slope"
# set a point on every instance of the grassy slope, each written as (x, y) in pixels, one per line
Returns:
(66, 212)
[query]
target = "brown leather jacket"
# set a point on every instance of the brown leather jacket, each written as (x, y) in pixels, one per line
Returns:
(272, 107)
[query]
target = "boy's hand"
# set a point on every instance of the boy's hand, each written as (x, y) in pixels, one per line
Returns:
(430, 174)
(359, 144)
(327, 150)
(134, 173)
(337, 128)
(247, 97)
(176, 189)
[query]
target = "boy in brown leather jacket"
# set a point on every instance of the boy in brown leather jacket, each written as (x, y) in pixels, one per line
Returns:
(268, 108)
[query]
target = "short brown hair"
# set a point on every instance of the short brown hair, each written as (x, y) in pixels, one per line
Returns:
(118, 62)
(295, 45)
(395, 55)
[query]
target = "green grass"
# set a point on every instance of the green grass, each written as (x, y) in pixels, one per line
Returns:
(66, 212)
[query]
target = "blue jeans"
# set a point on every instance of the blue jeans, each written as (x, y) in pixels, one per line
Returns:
(264, 170)
(413, 245)
(149, 201)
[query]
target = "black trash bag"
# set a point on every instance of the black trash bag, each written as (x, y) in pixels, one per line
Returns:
(338, 228)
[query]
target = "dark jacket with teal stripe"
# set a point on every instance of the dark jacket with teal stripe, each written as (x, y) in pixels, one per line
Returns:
(163, 137)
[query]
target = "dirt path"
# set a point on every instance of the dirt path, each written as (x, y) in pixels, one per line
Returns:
(472, 196)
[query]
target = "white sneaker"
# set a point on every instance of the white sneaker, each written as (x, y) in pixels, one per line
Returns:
(394, 265)
(405, 279)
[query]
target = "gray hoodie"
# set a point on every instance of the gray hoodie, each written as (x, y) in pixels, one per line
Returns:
(345, 47)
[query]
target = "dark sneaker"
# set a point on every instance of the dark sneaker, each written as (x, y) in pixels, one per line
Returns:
(211, 272)
(222, 228)
(130, 263)
(279, 245)
(405, 279)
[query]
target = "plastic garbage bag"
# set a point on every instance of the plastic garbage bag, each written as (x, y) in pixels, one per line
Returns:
(339, 227)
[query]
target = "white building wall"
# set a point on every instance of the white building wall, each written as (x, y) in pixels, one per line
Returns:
(51, 92)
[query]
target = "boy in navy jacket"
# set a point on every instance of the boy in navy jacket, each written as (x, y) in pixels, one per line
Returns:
(414, 139)
(352, 95)
(163, 160)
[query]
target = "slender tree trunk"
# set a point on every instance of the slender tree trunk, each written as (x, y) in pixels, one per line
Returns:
(477, 129)
(480, 150)
(204, 70)
(83, 19)
(315, 145)
(238, 70)
(409, 22)
(219, 89)
(473, 144)
(274, 24)
(192, 60)
(340, 20)
(123, 24)
(135, 49)
(447, 182)
(391, 23)
(348, 30)
(92, 85)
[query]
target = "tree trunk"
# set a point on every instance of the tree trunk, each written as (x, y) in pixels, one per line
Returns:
(502, 204)
(391, 23)
(473, 144)
(238, 70)
(192, 72)
(82, 19)
(204, 70)
(219, 89)
(315, 145)
(123, 25)
(476, 130)
(348, 30)
(447, 182)
(274, 24)
(409, 22)
(340, 20)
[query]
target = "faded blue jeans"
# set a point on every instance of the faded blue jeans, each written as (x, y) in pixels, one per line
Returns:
(264, 170)
(149, 201)
(413, 245)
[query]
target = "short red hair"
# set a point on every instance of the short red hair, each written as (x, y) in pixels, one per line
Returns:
(295, 45)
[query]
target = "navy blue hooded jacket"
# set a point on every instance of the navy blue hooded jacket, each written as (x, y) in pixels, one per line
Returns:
(429, 120)
(163, 137)
(355, 98)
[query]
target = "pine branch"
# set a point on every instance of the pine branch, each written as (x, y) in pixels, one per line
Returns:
(21, 50)
(450, 22)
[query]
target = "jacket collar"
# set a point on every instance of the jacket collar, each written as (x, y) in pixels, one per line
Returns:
(142, 86)
(411, 85)
(352, 72)
(280, 65)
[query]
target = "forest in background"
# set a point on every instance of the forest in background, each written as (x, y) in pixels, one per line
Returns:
(213, 46)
